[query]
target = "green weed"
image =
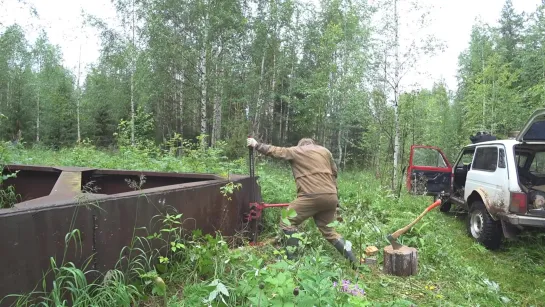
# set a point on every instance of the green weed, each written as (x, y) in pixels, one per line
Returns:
(8, 196)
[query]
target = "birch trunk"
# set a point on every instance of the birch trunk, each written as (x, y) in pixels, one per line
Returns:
(271, 103)
(78, 101)
(287, 122)
(196, 111)
(132, 79)
(38, 118)
(260, 96)
(132, 109)
(396, 94)
(203, 91)
(38, 100)
(280, 136)
(484, 94)
(216, 129)
(180, 97)
(344, 158)
(330, 100)
(339, 146)
(204, 53)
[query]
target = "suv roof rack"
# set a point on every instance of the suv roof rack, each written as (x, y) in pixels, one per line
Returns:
(482, 136)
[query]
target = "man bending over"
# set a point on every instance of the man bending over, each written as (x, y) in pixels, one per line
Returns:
(315, 175)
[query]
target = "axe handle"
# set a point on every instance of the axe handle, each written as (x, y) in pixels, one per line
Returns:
(401, 231)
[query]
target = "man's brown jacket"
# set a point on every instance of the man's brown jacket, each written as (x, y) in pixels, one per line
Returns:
(313, 167)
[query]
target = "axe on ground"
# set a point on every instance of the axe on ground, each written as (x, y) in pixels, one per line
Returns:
(393, 237)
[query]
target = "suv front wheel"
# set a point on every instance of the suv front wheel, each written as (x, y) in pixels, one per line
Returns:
(482, 227)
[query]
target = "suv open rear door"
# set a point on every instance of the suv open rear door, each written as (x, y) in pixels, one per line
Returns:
(534, 130)
(429, 171)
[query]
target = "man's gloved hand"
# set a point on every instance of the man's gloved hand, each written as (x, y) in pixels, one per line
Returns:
(251, 142)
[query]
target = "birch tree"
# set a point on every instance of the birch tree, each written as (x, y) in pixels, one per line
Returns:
(402, 42)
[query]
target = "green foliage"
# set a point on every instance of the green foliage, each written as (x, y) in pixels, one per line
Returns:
(499, 73)
(8, 196)
(158, 285)
(59, 116)
(287, 214)
(229, 188)
(143, 133)
(218, 292)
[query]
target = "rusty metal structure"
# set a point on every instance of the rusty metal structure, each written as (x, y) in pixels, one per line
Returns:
(107, 207)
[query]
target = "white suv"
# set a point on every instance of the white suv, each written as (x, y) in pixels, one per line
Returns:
(500, 183)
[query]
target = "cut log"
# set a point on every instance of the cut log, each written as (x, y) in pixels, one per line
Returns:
(400, 262)
(370, 261)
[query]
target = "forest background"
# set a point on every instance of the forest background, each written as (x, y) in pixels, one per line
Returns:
(280, 70)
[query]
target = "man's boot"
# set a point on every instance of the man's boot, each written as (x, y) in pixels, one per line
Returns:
(339, 245)
(292, 244)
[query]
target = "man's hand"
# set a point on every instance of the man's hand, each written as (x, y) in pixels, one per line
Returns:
(251, 142)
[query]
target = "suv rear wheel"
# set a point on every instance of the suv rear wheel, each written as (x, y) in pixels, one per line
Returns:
(482, 227)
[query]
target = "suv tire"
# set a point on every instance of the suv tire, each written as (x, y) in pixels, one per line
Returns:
(482, 227)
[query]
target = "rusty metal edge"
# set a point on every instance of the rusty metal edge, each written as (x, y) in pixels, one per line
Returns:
(62, 203)
(16, 167)
(102, 171)
(107, 171)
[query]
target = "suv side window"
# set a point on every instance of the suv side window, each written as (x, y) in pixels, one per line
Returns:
(521, 159)
(501, 162)
(486, 159)
(538, 164)
(428, 157)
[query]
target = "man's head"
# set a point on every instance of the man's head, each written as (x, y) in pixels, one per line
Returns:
(306, 141)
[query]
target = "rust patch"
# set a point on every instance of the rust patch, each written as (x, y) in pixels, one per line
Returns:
(494, 207)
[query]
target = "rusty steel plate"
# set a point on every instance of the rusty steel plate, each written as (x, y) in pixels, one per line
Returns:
(109, 208)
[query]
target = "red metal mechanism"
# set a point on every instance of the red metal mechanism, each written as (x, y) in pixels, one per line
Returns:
(257, 208)
(254, 215)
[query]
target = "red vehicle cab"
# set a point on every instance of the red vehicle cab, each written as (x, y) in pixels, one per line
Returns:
(429, 172)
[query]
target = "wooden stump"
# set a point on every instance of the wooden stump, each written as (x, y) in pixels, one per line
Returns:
(371, 251)
(401, 262)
